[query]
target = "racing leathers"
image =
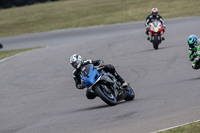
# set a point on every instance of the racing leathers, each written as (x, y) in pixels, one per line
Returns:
(152, 18)
(194, 55)
(107, 68)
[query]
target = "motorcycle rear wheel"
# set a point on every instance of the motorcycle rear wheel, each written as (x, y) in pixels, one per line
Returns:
(130, 94)
(107, 97)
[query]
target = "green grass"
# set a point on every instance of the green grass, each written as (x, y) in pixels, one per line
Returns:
(189, 128)
(4, 54)
(65, 14)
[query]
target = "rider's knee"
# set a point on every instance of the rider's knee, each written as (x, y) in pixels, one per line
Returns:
(147, 32)
(90, 95)
(109, 68)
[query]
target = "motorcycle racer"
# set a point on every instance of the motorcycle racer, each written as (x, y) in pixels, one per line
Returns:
(77, 62)
(152, 17)
(194, 51)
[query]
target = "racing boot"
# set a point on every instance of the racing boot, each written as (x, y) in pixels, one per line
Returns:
(196, 63)
(163, 38)
(124, 85)
(194, 66)
(147, 32)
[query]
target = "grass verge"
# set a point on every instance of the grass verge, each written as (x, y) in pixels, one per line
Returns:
(4, 54)
(65, 14)
(189, 128)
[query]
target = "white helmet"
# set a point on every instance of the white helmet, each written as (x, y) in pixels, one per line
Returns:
(154, 11)
(76, 61)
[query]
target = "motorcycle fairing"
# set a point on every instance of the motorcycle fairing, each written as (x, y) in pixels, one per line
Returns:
(90, 75)
(155, 26)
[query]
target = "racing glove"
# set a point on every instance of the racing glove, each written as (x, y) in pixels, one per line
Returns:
(101, 64)
(164, 26)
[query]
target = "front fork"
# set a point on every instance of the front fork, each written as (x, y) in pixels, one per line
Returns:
(150, 35)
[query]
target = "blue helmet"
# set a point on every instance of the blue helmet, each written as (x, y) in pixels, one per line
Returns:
(191, 40)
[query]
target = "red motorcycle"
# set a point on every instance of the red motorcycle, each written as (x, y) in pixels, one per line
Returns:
(155, 32)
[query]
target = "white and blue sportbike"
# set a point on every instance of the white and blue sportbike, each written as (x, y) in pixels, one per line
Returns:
(105, 85)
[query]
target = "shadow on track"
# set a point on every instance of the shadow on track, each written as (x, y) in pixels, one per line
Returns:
(96, 107)
(188, 80)
(160, 48)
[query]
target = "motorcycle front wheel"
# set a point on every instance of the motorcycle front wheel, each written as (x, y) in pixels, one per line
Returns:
(155, 42)
(105, 94)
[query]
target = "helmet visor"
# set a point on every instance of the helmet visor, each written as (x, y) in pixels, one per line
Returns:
(154, 13)
(75, 64)
(191, 46)
(191, 42)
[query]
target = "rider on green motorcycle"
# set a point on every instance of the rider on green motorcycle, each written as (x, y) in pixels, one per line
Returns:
(194, 51)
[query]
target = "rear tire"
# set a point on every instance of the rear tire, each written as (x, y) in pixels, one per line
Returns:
(130, 94)
(106, 96)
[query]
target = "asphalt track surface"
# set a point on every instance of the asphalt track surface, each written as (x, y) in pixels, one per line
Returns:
(38, 95)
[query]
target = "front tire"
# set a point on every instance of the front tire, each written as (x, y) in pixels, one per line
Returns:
(155, 42)
(105, 94)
